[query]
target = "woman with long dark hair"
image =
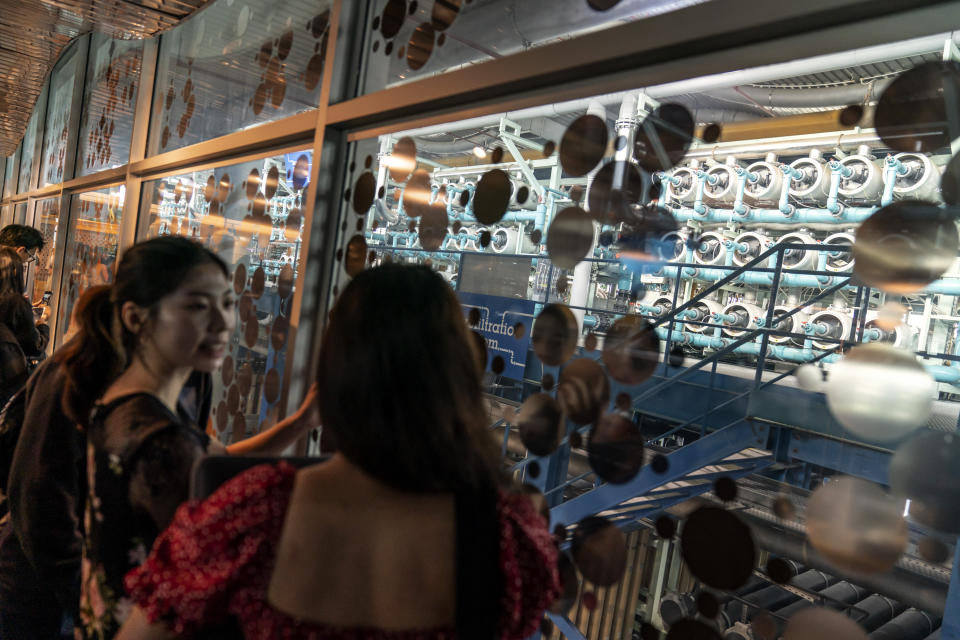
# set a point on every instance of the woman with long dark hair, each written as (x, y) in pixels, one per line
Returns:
(169, 313)
(403, 533)
(19, 338)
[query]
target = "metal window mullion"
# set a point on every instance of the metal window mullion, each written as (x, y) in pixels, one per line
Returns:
(301, 361)
(138, 144)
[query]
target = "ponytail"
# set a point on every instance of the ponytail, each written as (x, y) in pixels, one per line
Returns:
(95, 355)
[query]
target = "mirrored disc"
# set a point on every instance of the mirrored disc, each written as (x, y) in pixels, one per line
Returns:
(718, 548)
(820, 623)
(926, 469)
(631, 350)
(417, 194)
(615, 449)
(856, 525)
(664, 137)
(540, 422)
(912, 111)
(599, 550)
(570, 237)
(583, 390)
(433, 227)
(554, 334)
(905, 246)
(492, 196)
(583, 145)
(880, 392)
(615, 189)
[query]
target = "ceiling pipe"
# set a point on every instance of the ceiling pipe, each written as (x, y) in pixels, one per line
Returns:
(899, 584)
(817, 64)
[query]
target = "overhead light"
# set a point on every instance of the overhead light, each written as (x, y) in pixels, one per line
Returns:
(480, 152)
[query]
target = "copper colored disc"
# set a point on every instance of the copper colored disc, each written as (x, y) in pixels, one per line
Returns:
(554, 334)
(599, 551)
(271, 386)
(239, 427)
(403, 160)
(492, 196)
(245, 305)
(233, 399)
(356, 255)
(570, 237)
(245, 378)
(271, 182)
(222, 416)
(226, 370)
(417, 194)
(239, 279)
(251, 331)
(285, 281)
(278, 334)
(258, 282)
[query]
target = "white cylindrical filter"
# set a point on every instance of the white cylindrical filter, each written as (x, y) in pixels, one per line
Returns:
(922, 181)
(756, 244)
(685, 189)
(798, 258)
(580, 289)
(765, 192)
(712, 249)
(814, 186)
(704, 310)
(838, 326)
(724, 190)
(840, 261)
(745, 315)
(792, 324)
(503, 239)
(865, 185)
(674, 245)
(900, 336)
(522, 196)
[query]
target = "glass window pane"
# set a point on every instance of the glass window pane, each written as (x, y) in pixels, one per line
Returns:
(407, 41)
(113, 76)
(20, 213)
(29, 144)
(92, 242)
(56, 132)
(6, 215)
(10, 175)
(235, 65)
(250, 215)
(45, 221)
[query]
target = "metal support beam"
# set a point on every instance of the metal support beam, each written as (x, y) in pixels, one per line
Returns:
(707, 450)
(661, 561)
(567, 628)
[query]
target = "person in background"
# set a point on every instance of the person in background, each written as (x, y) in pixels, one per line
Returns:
(28, 243)
(20, 340)
(402, 533)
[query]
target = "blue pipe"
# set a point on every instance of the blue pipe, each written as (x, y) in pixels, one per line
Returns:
(891, 170)
(838, 171)
(789, 173)
(589, 321)
(698, 206)
(742, 176)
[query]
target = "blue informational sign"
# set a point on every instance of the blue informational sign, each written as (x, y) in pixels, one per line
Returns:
(498, 319)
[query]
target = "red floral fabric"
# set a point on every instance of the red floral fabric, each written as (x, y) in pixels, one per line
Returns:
(216, 557)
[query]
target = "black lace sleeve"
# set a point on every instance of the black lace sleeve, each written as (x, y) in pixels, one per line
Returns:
(160, 473)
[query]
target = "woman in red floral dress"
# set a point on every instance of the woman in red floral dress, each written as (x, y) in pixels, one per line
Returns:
(403, 534)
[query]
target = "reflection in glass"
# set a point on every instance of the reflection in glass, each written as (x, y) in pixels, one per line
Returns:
(436, 37)
(234, 65)
(27, 146)
(10, 174)
(45, 221)
(249, 215)
(113, 77)
(93, 236)
(56, 132)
